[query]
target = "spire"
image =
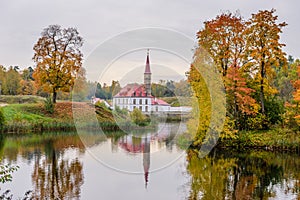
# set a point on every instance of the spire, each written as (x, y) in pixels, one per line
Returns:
(147, 68)
(146, 160)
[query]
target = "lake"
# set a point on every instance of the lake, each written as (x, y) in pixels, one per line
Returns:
(143, 165)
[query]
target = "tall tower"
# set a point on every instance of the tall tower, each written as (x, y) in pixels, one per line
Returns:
(147, 75)
(146, 160)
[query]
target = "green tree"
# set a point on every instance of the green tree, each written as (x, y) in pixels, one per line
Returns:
(182, 88)
(13, 79)
(58, 59)
(2, 80)
(115, 87)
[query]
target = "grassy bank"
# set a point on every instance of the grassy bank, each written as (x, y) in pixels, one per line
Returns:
(33, 117)
(271, 140)
(20, 99)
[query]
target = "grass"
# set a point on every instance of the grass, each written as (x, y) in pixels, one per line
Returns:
(33, 117)
(273, 139)
(20, 118)
(25, 112)
(19, 99)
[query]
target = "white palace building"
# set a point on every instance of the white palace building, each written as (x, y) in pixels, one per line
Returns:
(139, 96)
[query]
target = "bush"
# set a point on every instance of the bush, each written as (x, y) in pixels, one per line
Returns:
(122, 112)
(2, 119)
(274, 110)
(49, 105)
(138, 117)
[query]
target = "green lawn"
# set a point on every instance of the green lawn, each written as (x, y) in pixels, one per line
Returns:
(24, 112)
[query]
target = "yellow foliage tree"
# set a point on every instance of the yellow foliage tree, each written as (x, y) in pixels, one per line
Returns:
(264, 49)
(296, 96)
(58, 59)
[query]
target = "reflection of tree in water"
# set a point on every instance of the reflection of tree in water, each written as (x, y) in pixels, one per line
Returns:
(233, 176)
(54, 177)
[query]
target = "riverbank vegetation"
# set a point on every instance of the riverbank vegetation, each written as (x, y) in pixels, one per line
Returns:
(36, 117)
(261, 82)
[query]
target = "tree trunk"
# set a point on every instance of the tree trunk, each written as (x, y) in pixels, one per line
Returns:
(262, 101)
(54, 96)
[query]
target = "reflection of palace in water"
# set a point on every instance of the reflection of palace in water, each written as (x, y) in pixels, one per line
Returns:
(146, 144)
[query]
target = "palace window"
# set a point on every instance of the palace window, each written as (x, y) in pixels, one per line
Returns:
(146, 108)
(146, 101)
(141, 108)
(141, 101)
(134, 101)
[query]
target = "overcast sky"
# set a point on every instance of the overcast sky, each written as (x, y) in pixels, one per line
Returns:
(23, 20)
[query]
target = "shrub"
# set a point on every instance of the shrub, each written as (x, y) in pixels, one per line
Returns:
(49, 105)
(138, 117)
(2, 119)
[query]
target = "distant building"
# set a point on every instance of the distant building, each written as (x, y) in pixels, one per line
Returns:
(95, 100)
(139, 95)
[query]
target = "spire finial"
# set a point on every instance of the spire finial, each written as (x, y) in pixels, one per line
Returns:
(147, 68)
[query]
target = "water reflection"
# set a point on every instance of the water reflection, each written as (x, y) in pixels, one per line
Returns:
(56, 174)
(56, 177)
(147, 142)
(135, 145)
(248, 175)
(58, 166)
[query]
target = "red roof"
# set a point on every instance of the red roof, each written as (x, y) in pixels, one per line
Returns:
(133, 90)
(156, 101)
(132, 148)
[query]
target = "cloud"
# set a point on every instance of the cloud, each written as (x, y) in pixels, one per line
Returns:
(22, 21)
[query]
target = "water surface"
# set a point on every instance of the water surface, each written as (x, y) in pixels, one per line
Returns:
(143, 165)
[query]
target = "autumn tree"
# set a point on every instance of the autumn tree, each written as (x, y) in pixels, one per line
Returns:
(58, 59)
(239, 100)
(293, 108)
(26, 83)
(264, 49)
(223, 38)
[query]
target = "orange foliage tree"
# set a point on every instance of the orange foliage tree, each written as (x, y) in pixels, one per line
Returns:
(296, 96)
(58, 59)
(239, 100)
(223, 38)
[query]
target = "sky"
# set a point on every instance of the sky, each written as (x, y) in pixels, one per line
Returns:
(98, 21)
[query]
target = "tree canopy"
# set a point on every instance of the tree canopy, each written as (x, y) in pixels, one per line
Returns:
(58, 58)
